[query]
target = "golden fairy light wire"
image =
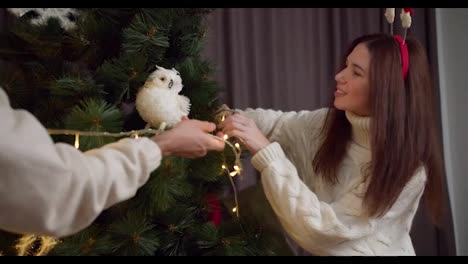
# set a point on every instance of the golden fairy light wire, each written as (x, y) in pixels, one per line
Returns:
(237, 169)
(237, 164)
(133, 133)
(47, 244)
(26, 245)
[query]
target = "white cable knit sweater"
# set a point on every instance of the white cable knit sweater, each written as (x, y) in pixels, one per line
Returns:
(324, 219)
(54, 189)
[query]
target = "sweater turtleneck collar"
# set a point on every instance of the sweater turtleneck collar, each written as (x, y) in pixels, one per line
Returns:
(360, 129)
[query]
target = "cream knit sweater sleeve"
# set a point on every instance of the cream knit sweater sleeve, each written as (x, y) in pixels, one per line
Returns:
(317, 226)
(54, 189)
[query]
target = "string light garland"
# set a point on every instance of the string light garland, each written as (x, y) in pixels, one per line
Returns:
(26, 245)
(237, 164)
(77, 133)
(237, 170)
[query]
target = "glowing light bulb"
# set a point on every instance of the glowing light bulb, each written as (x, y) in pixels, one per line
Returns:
(77, 141)
(225, 137)
(234, 209)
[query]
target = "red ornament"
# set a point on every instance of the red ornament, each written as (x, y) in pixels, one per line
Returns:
(214, 209)
(409, 10)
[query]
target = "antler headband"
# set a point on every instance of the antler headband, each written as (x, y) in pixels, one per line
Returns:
(405, 16)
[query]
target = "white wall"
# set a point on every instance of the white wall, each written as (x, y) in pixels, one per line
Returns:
(452, 42)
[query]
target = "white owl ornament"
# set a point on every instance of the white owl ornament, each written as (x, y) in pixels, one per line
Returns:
(159, 103)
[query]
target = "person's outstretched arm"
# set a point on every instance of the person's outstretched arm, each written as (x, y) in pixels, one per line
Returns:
(55, 189)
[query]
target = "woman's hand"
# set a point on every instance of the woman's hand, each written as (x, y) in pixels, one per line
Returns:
(246, 130)
(223, 112)
(189, 139)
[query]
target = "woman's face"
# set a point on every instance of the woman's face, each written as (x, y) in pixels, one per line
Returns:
(352, 83)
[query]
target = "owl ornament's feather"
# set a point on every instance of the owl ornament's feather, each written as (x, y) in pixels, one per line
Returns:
(158, 102)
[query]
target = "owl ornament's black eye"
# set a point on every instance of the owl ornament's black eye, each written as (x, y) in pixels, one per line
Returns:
(72, 17)
(31, 14)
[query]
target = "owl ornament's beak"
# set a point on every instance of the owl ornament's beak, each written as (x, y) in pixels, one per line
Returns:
(148, 83)
(171, 83)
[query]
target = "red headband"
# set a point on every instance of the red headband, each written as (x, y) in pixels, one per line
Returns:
(404, 55)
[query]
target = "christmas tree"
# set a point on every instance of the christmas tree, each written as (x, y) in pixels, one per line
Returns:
(80, 69)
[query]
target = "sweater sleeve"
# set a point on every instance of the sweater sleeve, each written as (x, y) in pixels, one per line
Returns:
(315, 225)
(273, 122)
(55, 189)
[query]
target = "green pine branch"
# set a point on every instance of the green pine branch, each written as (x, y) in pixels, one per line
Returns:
(94, 115)
(208, 168)
(141, 36)
(167, 185)
(97, 36)
(89, 242)
(13, 81)
(75, 87)
(208, 239)
(160, 16)
(42, 41)
(113, 16)
(178, 228)
(122, 77)
(8, 242)
(133, 235)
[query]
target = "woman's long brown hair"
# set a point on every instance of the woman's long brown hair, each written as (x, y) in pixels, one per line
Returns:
(404, 133)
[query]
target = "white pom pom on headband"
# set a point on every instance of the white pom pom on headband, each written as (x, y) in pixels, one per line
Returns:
(406, 19)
